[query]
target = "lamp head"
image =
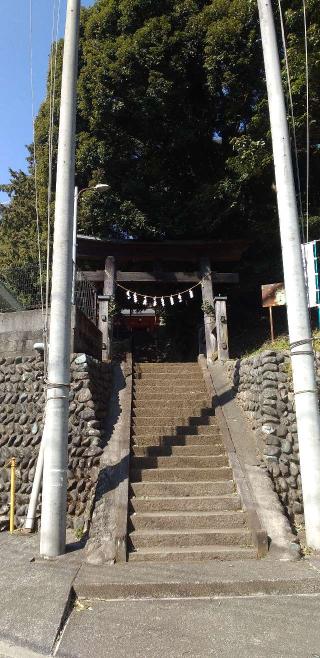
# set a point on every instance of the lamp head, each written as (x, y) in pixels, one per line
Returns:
(103, 187)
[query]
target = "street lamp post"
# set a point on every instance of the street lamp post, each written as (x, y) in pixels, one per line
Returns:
(99, 187)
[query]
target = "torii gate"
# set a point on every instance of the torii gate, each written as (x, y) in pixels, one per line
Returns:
(206, 255)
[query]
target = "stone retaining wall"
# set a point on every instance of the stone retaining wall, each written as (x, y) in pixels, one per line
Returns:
(22, 399)
(263, 385)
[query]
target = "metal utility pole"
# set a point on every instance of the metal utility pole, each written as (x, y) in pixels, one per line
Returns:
(304, 382)
(54, 496)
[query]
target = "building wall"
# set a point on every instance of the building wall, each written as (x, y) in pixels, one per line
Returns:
(20, 330)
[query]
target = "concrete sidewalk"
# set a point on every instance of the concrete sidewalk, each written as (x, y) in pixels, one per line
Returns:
(35, 593)
(68, 608)
(252, 627)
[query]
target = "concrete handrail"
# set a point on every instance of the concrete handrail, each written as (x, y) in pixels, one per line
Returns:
(108, 533)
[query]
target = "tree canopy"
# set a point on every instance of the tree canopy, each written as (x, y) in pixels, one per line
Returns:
(172, 113)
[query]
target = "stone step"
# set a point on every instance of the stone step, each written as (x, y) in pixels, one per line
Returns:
(163, 377)
(180, 474)
(172, 431)
(163, 381)
(154, 438)
(169, 388)
(181, 440)
(149, 414)
(179, 461)
(184, 520)
(165, 428)
(182, 489)
(174, 376)
(192, 554)
(191, 407)
(187, 504)
(166, 366)
(163, 451)
(170, 411)
(179, 430)
(190, 537)
(211, 578)
(180, 396)
(178, 421)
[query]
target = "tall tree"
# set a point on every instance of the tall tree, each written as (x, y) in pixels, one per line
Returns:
(172, 113)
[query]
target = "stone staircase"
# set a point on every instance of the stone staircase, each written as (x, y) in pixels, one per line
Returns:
(183, 500)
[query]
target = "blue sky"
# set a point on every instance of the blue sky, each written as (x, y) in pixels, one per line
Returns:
(15, 89)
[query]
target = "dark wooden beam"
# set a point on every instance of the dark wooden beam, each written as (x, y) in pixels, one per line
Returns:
(225, 277)
(163, 277)
(218, 251)
(158, 277)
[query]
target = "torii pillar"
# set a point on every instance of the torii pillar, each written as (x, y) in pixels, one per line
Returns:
(207, 299)
(105, 321)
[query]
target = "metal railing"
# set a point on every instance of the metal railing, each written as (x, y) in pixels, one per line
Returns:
(20, 290)
(85, 296)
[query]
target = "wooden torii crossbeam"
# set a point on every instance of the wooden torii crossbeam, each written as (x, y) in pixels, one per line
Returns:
(218, 251)
(163, 277)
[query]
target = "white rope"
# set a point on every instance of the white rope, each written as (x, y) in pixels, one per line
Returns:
(294, 135)
(155, 298)
(35, 156)
(307, 116)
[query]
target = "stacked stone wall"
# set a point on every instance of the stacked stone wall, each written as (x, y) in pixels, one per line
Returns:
(263, 386)
(22, 401)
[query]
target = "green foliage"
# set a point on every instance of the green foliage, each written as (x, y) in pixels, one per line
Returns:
(79, 533)
(114, 308)
(18, 238)
(208, 309)
(172, 113)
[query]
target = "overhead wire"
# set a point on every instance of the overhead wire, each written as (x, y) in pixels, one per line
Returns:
(35, 156)
(304, 229)
(307, 116)
(52, 99)
(293, 122)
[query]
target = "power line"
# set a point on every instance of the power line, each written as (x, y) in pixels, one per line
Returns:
(307, 115)
(52, 98)
(294, 134)
(35, 154)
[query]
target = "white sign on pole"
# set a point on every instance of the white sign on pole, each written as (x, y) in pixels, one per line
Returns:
(311, 268)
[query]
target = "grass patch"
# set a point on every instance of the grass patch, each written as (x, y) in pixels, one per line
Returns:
(280, 344)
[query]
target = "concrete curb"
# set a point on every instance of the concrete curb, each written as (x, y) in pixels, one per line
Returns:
(213, 579)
